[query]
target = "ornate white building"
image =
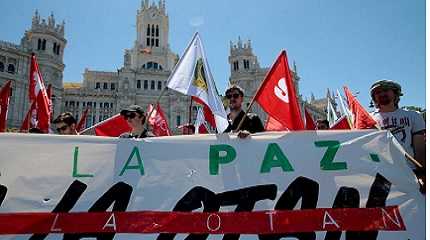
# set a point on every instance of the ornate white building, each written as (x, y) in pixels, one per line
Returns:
(140, 80)
(46, 39)
(146, 67)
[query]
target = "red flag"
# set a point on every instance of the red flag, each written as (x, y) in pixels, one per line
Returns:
(37, 92)
(277, 95)
(82, 121)
(362, 119)
(158, 121)
(273, 125)
(310, 123)
(112, 127)
(341, 123)
(29, 118)
(202, 129)
(4, 104)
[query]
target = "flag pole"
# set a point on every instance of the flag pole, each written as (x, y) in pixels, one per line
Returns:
(189, 110)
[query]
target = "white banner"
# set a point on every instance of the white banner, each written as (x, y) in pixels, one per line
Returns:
(343, 184)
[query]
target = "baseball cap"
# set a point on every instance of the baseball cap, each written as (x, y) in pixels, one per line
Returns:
(133, 108)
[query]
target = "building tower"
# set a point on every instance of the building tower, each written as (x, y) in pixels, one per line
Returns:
(151, 48)
(46, 40)
(246, 72)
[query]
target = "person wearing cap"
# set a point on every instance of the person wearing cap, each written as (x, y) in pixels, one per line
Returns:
(407, 126)
(251, 123)
(135, 117)
(65, 124)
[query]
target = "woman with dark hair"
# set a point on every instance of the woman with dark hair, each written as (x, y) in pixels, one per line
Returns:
(135, 117)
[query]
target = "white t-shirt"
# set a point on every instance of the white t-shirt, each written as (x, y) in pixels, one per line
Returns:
(403, 125)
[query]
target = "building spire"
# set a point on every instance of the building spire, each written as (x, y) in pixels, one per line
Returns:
(51, 20)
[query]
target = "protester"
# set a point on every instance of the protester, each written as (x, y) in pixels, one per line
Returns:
(35, 130)
(135, 117)
(251, 123)
(187, 129)
(322, 124)
(66, 124)
(407, 126)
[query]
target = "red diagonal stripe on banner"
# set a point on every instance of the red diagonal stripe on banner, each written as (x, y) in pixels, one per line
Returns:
(259, 222)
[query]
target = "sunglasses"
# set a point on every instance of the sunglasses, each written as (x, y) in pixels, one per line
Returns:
(234, 95)
(63, 128)
(129, 116)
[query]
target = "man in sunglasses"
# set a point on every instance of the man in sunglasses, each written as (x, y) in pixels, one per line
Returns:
(66, 124)
(135, 117)
(251, 123)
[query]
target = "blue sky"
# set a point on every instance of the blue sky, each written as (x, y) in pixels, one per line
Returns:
(333, 43)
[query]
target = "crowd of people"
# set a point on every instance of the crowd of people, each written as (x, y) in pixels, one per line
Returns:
(407, 126)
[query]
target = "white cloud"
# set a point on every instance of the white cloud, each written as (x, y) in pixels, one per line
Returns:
(197, 21)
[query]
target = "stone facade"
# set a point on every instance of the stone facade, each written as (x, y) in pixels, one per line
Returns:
(141, 79)
(46, 39)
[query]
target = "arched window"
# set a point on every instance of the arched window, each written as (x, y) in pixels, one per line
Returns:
(149, 65)
(11, 68)
(39, 44)
(148, 31)
(156, 31)
(1, 67)
(152, 65)
(58, 49)
(152, 30)
(44, 44)
(54, 48)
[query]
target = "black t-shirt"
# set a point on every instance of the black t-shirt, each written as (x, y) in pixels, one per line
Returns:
(251, 123)
(144, 134)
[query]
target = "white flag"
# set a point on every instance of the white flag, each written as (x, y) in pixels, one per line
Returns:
(331, 113)
(200, 120)
(192, 76)
(345, 111)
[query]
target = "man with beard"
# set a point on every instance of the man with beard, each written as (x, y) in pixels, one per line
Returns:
(407, 126)
(251, 123)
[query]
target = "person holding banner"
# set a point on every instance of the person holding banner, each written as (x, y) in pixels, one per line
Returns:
(66, 124)
(135, 117)
(323, 124)
(407, 126)
(251, 124)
